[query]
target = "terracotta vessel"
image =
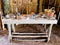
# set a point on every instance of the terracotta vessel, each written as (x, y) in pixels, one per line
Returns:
(18, 17)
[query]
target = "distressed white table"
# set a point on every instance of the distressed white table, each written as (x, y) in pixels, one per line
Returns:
(10, 22)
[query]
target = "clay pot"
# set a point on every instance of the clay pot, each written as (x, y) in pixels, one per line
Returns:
(24, 16)
(51, 14)
(41, 13)
(18, 17)
(32, 13)
(7, 16)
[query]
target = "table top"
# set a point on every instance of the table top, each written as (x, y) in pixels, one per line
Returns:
(29, 21)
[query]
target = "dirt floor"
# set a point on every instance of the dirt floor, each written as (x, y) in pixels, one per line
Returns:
(55, 39)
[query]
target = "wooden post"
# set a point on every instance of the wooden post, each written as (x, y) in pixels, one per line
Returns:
(11, 5)
(0, 4)
(0, 14)
(0, 23)
(41, 1)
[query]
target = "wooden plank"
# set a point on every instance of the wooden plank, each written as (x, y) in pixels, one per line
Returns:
(28, 33)
(30, 40)
(29, 36)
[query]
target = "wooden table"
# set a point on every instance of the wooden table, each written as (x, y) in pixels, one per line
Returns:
(10, 22)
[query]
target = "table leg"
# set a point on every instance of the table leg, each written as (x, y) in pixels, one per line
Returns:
(13, 28)
(9, 29)
(49, 33)
(45, 26)
(3, 26)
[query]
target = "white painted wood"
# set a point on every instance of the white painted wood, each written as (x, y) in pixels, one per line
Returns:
(9, 29)
(30, 21)
(45, 26)
(29, 36)
(49, 34)
(13, 28)
(28, 33)
(30, 40)
(3, 26)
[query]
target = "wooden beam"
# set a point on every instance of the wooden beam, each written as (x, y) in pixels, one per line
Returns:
(40, 6)
(0, 4)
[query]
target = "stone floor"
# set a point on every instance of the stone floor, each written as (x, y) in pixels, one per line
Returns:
(55, 39)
